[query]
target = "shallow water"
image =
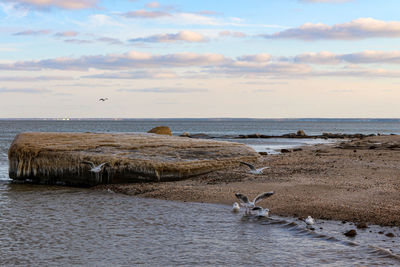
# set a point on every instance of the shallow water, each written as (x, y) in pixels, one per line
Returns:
(43, 225)
(50, 225)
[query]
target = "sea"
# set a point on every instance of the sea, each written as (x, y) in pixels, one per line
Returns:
(43, 225)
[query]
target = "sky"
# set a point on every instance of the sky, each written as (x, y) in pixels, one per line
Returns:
(199, 59)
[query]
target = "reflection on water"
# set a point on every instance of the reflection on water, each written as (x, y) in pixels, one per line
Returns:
(41, 225)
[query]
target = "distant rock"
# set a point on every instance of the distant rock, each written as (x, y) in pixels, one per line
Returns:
(301, 133)
(389, 235)
(165, 130)
(185, 134)
(351, 233)
(200, 136)
(283, 150)
(263, 153)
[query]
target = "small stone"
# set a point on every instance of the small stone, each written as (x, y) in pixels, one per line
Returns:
(381, 232)
(263, 153)
(351, 233)
(362, 225)
(283, 150)
(389, 235)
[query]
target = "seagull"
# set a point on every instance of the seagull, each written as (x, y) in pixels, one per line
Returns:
(253, 170)
(249, 205)
(103, 99)
(93, 168)
(235, 207)
(309, 220)
(261, 212)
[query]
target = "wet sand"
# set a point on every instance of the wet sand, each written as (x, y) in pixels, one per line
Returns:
(355, 181)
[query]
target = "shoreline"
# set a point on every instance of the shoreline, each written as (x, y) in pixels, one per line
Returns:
(355, 181)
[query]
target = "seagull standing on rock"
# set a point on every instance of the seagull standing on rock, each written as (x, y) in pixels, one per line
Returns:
(249, 205)
(253, 169)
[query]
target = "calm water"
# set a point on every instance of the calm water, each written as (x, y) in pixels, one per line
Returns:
(43, 225)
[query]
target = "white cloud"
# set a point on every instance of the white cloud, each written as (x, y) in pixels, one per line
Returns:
(232, 34)
(63, 4)
(154, 4)
(187, 36)
(144, 14)
(361, 28)
(33, 32)
(66, 34)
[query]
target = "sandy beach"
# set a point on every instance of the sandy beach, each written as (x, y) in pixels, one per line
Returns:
(357, 181)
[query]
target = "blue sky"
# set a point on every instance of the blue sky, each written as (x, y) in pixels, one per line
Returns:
(154, 59)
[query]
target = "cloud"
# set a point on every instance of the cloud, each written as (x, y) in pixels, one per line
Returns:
(34, 79)
(232, 34)
(164, 90)
(139, 65)
(364, 57)
(187, 36)
(361, 28)
(109, 40)
(66, 34)
(62, 4)
(128, 60)
(78, 41)
(154, 4)
(148, 74)
(32, 32)
(100, 20)
(145, 14)
(263, 57)
(24, 91)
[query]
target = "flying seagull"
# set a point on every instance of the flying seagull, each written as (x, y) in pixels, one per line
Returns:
(103, 99)
(249, 205)
(235, 207)
(261, 212)
(94, 168)
(253, 170)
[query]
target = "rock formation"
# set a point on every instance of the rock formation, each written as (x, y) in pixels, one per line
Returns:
(57, 157)
(161, 130)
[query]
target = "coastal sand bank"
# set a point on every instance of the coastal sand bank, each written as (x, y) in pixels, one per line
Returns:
(356, 181)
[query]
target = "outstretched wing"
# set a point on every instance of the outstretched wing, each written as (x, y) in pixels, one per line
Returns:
(242, 198)
(89, 163)
(262, 196)
(261, 169)
(249, 165)
(101, 165)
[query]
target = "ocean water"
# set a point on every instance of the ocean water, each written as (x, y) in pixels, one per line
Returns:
(50, 225)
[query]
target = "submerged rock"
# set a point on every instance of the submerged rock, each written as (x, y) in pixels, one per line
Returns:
(58, 157)
(351, 233)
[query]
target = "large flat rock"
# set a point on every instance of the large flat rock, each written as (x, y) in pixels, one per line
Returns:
(56, 158)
